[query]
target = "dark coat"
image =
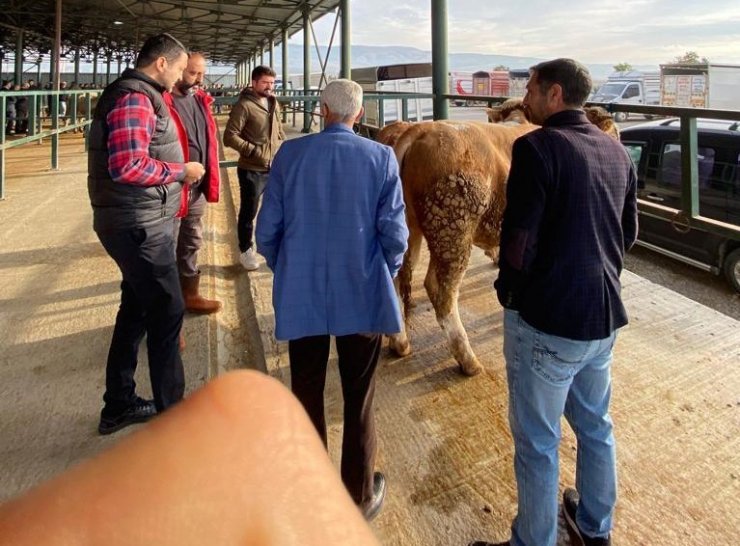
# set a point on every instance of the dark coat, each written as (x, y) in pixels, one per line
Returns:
(571, 214)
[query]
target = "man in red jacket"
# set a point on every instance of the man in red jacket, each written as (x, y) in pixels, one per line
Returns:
(197, 130)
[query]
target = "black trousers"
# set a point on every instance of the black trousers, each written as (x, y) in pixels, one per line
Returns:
(358, 359)
(251, 187)
(151, 303)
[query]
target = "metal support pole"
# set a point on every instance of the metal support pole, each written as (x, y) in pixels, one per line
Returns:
(440, 83)
(307, 105)
(689, 167)
(2, 151)
(19, 58)
(271, 51)
(285, 69)
(57, 77)
(33, 115)
(95, 68)
(285, 58)
(77, 66)
(108, 57)
(262, 55)
(346, 68)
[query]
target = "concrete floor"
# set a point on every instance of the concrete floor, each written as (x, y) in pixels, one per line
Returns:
(443, 438)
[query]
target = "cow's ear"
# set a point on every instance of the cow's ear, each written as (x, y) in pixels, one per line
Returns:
(494, 114)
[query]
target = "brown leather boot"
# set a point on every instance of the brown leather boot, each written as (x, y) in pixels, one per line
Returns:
(194, 302)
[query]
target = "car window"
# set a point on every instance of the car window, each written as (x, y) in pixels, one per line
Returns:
(670, 165)
(635, 151)
(632, 91)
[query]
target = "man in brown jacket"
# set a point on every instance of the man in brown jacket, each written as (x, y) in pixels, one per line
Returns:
(254, 130)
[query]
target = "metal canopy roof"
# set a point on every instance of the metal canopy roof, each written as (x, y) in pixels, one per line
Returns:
(227, 30)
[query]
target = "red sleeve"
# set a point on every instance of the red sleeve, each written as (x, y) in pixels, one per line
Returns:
(131, 124)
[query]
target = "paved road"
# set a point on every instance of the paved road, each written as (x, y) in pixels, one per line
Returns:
(700, 286)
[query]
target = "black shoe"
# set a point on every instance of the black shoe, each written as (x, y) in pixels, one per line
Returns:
(577, 538)
(140, 411)
(372, 509)
(483, 543)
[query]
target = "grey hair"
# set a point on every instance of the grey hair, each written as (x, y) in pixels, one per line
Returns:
(343, 98)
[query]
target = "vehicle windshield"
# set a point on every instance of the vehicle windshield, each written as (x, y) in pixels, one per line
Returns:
(610, 90)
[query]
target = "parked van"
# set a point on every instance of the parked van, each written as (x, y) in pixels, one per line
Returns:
(655, 148)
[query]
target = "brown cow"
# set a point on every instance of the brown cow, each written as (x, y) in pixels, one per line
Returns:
(454, 176)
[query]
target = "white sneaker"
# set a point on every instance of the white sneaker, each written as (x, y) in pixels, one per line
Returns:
(248, 259)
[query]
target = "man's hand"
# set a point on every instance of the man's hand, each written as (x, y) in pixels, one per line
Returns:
(194, 171)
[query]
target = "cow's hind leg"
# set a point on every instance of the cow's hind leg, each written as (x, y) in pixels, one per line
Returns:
(443, 286)
(410, 259)
(399, 343)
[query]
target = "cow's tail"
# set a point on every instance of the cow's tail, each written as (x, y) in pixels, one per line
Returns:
(404, 142)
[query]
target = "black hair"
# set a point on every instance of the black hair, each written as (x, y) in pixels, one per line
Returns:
(571, 75)
(260, 71)
(162, 45)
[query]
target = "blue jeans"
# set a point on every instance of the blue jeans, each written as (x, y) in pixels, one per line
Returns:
(548, 377)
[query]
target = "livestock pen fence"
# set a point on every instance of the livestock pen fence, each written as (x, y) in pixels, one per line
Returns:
(49, 124)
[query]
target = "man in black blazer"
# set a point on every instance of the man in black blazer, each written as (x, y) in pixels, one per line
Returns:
(571, 214)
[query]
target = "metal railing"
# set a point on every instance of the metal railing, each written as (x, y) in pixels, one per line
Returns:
(37, 116)
(298, 102)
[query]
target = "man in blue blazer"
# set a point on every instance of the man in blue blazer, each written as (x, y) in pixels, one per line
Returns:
(333, 231)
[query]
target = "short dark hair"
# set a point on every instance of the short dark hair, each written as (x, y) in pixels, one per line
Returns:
(260, 71)
(571, 75)
(162, 45)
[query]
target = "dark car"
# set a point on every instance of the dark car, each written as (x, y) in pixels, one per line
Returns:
(655, 148)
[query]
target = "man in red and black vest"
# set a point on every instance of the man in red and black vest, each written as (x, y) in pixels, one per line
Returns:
(199, 141)
(136, 172)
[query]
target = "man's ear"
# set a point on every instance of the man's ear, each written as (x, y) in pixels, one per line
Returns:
(324, 110)
(555, 93)
(160, 63)
(358, 117)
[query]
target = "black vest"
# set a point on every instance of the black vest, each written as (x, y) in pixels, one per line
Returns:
(119, 206)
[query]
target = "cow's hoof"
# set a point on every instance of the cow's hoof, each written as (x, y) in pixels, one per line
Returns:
(471, 368)
(401, 347)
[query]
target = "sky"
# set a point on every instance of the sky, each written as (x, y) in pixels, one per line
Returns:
(606, 31)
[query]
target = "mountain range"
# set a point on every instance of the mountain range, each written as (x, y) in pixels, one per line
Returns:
(363, 56)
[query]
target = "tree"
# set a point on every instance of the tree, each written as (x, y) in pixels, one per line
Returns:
(622, 67)
(501, 67)
(691, 57)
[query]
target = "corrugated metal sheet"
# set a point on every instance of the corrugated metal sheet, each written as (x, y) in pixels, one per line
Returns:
(227, 30)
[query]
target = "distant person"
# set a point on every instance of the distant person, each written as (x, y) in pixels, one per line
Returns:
(10, 111)
(136, 170)
(333, 231)
(63, 98)
(236, 463)
(570, 215)
(21, 110)
(254, 130)
(193, 107)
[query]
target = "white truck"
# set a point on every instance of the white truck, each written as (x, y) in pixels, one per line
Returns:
(704, 85)
(399, 78)
(629, 87)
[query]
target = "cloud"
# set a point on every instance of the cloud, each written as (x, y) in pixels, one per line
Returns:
(634, 31)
